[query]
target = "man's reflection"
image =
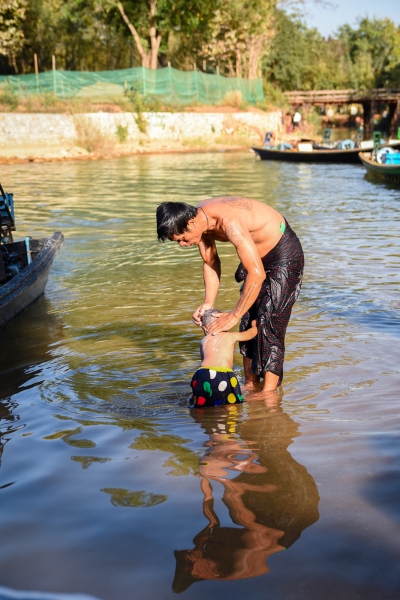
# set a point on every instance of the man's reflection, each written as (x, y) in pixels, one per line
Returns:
(270, 497)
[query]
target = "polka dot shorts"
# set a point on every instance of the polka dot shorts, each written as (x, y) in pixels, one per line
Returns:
(215, 386)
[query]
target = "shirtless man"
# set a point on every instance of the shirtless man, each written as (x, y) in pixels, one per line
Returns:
(271, 265)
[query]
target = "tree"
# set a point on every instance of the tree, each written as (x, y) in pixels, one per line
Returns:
(240, 35)
(151, 21)
(374, 51)
(80, 33)
(300, 57)
(12, 14)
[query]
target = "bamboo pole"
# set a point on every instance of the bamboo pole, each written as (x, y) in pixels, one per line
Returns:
(35, 61)
(53, 66)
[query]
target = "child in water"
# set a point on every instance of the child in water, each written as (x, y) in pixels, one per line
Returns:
(215, 382)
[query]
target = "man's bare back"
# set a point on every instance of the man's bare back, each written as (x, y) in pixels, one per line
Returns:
(234, 216)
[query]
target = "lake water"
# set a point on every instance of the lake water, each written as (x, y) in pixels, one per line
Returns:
(109, 485)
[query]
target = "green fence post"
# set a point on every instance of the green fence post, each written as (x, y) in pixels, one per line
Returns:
(144, 80)
(53, 64)
(170, 82)
(197, 84)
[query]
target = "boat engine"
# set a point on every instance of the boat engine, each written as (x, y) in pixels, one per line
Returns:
(10, 260)
(7, 218)
(10, 264)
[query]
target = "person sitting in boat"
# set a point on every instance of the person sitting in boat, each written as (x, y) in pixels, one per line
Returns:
(215, 382)
(269, 139)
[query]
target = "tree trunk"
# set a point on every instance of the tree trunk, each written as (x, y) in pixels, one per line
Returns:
(155, 39)
(254, 49)
(238, 63)
(143, 54)
(14, 63)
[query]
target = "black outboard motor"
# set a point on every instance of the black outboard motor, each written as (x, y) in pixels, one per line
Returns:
(10, 259)
(12, 263)
(7, 218)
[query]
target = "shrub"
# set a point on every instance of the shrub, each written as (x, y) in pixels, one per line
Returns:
(89, 136)
(234, 98)
(272, 95)
(9, 95)
(138, 104)
(122, 133)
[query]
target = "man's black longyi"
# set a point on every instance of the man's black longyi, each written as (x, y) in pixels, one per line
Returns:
(284, 267)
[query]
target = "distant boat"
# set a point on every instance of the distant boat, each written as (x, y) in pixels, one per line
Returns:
(313, 153)
(24, 265)
(309, 154)
(383, 164)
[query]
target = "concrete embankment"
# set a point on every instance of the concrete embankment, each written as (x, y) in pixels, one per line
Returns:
(37, 137)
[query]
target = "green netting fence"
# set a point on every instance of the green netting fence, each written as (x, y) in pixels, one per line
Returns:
(182, 87)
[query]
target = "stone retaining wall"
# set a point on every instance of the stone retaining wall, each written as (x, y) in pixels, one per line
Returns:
(55, 129)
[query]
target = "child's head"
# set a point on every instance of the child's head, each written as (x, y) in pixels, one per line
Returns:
(207, 317)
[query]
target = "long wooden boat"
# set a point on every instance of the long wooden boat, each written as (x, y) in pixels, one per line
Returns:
(313, 155)
(24, 265)
(316, 156)
(26, 286)
(389, 173)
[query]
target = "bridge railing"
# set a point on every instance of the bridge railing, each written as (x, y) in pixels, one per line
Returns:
(342, 96)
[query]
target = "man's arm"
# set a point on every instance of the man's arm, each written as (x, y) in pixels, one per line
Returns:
(250, 259)
(211, 274)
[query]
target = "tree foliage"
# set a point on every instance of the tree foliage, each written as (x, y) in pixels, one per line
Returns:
(12, 15)
(374, 52)
(151, 21)
(239, 36)
(242, 38)
(364, 57)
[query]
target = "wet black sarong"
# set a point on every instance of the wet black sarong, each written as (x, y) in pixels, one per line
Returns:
(283, 266)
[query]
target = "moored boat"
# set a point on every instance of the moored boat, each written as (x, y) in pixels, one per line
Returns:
(311, 152)
(24, 265)
(384, 166)
(309, 155)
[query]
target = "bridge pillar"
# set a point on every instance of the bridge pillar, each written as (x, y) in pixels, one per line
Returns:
(394, 116)
(369, 111)
(367, 119)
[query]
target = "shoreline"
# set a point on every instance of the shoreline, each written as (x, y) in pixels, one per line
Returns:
(15, 159)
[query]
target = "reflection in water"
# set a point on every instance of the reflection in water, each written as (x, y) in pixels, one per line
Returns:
(29, 338)
(140, 499)
(8, 423)
(27, 343)
(99, 396)
(270, 497)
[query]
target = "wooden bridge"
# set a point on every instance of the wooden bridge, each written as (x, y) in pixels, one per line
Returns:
(369, 99)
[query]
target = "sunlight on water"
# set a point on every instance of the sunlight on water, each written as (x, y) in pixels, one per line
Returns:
(95, 380)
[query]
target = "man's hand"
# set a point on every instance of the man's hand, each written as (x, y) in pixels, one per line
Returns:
(225, 322)
(196, 317)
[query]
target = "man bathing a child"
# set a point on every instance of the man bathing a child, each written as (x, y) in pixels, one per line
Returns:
(271, 267)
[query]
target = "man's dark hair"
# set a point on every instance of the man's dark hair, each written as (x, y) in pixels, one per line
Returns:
(173, 219)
